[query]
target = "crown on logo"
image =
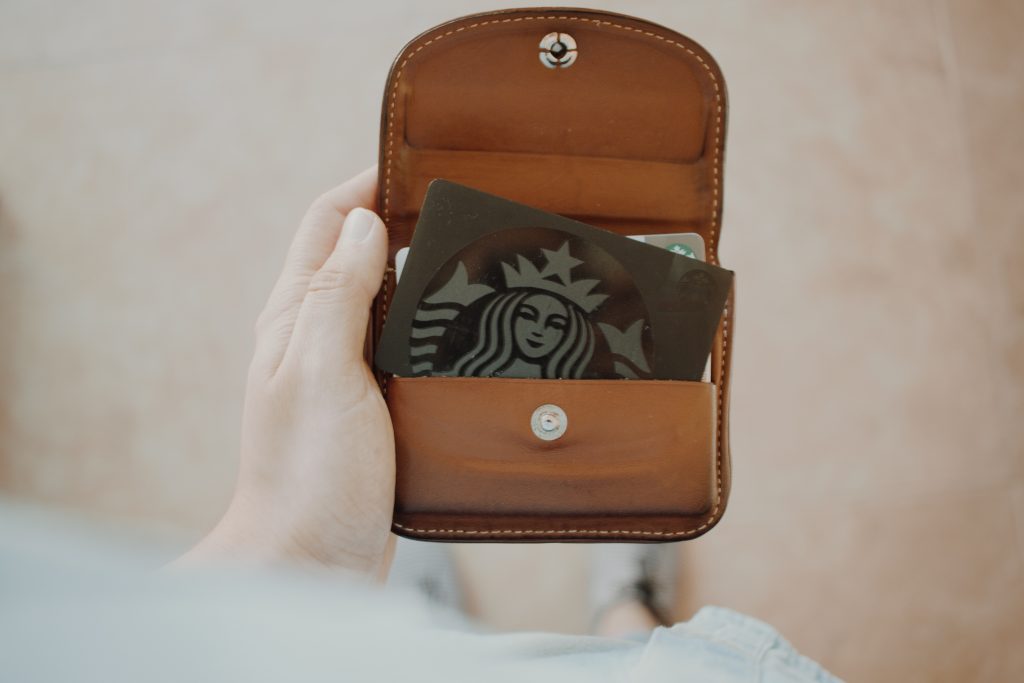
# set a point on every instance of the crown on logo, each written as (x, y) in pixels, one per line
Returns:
(559, 263)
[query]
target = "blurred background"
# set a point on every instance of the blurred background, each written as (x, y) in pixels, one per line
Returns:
(155, 159)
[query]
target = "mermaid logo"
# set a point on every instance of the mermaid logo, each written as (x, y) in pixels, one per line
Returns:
(525, 322)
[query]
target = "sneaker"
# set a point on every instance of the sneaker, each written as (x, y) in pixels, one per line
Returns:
(642, 572)
(429, 569)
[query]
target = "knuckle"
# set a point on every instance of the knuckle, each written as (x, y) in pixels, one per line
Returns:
(322, 203)
(334, 281)
(262, 321)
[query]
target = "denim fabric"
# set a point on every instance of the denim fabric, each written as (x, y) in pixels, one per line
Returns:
(719, 644)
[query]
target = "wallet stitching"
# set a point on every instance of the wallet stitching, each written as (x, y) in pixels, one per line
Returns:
(715, 181)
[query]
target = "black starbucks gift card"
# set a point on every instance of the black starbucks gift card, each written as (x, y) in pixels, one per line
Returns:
(492, 288)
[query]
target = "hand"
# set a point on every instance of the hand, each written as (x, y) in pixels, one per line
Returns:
(317, 475)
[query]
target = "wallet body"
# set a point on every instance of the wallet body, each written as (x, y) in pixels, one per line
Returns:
(623, 127)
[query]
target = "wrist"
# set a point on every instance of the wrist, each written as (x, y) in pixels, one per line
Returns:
(247, 535)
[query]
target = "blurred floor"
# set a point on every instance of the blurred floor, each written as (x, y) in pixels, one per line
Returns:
(155, 158)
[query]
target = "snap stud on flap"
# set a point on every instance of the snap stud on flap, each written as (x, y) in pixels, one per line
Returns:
(549, 422)
(557, 50)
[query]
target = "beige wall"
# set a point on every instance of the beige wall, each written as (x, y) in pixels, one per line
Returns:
(154, 161)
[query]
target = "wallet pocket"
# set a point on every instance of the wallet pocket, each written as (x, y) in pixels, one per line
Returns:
(635, 455)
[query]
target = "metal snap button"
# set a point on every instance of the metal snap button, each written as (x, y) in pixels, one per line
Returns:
(558, 50)
(548, 422)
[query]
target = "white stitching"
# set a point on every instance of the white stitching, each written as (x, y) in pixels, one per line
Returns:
(544, 531)
(713, 251)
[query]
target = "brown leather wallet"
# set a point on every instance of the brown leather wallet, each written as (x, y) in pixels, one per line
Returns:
(610, 120)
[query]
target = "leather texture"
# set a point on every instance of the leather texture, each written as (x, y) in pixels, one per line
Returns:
(630, 138)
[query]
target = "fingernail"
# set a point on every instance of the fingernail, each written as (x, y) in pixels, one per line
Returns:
(358, 225)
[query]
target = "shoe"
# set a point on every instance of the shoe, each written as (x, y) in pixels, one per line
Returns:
(428, 569)
(640, 572)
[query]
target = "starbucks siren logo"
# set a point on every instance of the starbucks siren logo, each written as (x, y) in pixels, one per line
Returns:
(539, 324)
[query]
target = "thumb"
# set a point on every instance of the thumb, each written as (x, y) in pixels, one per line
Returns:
(331, 326)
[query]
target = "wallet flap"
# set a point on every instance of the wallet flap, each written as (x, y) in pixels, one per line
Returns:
(628, 135)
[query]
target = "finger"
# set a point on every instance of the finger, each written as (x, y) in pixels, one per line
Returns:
(318, 233)
(331, 326)
(317, 236)
(312, 245)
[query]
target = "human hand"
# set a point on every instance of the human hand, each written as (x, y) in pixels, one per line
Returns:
(317, 474)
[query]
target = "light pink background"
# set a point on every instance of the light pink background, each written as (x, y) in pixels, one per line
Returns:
(155, 158)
